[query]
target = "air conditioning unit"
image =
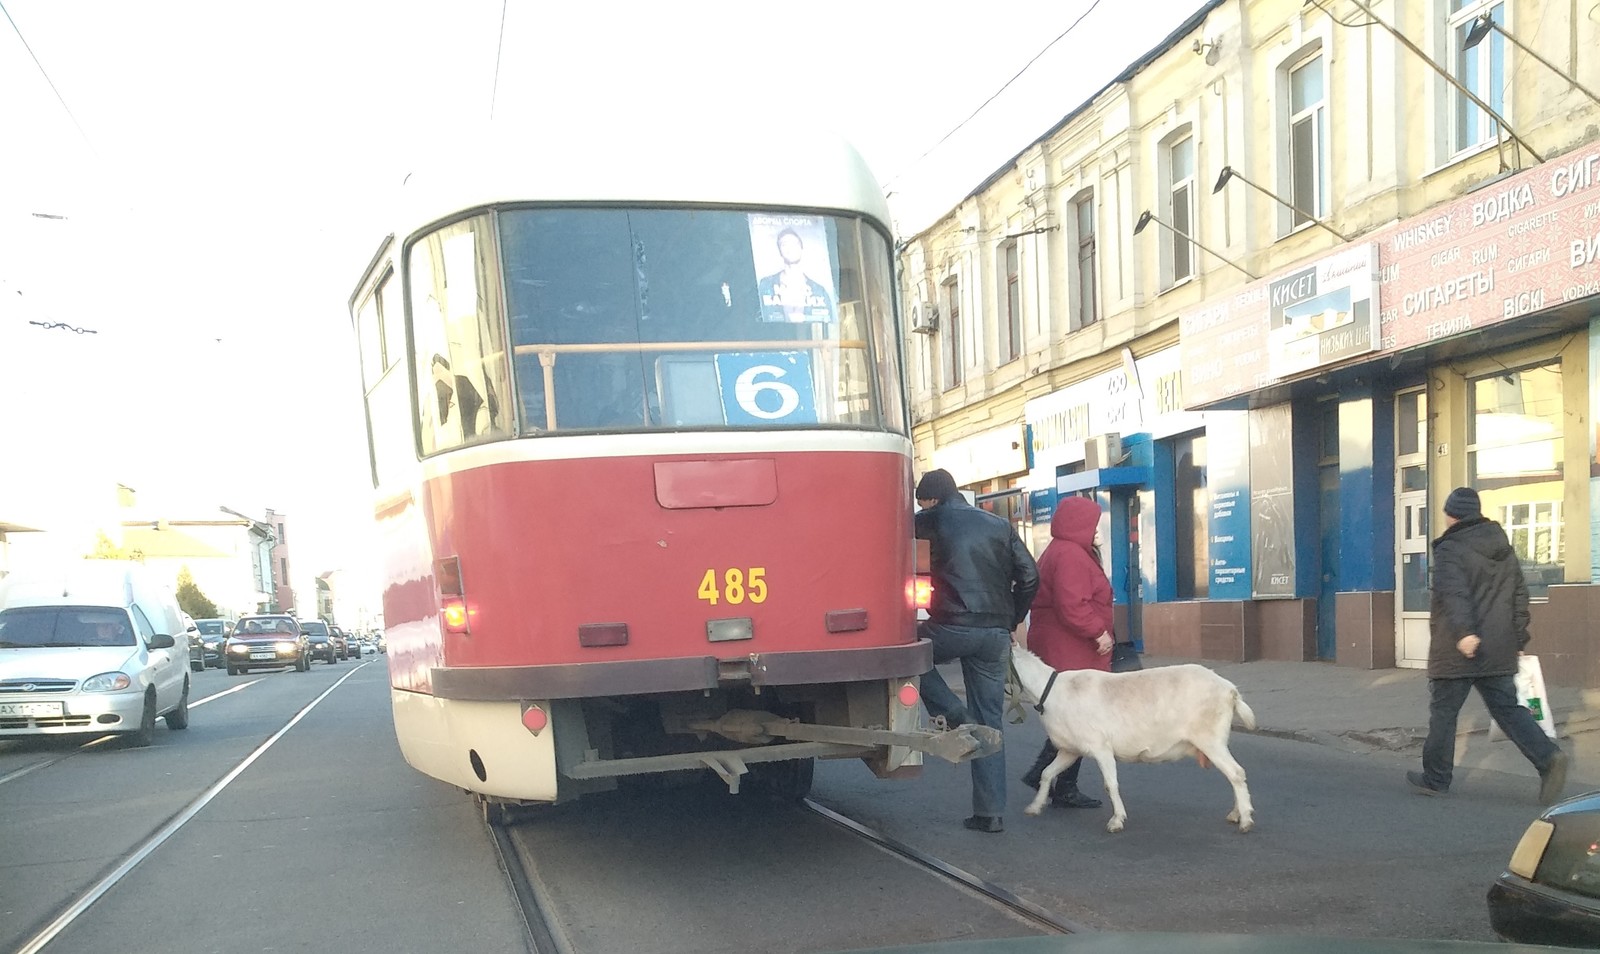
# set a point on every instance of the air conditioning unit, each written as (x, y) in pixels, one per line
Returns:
(1104, 450)
(924, 318)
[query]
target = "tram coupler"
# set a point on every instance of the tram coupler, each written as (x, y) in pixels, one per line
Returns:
(753, 727)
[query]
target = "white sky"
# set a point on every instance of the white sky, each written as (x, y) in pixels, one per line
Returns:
(225, 201)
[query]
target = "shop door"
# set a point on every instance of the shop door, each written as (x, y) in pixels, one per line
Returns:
(1411, 529)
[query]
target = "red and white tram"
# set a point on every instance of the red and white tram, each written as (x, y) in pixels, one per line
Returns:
(640, 445)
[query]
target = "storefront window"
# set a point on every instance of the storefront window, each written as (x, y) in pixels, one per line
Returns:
(1193, 509)
(1514, 459)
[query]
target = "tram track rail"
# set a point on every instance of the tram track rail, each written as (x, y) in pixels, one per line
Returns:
(543, 933)
(987, 890)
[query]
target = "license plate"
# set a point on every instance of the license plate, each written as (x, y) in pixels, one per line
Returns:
(263, 655)
(30, 708)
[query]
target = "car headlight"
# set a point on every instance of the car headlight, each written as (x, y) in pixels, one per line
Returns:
(286, 647)
(238, 648)
(106, 682)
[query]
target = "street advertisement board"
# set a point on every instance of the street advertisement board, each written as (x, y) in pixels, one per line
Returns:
(1519, 245)
(1323, 313)
(1228, 448)
(1271, 503)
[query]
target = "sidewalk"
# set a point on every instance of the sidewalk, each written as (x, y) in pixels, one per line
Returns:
(1387, 710)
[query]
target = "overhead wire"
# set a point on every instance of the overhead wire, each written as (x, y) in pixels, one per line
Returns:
(981, 106)
(499, 45)
(46, 74)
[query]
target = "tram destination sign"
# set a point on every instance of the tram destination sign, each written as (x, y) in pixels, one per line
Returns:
(1519, 245)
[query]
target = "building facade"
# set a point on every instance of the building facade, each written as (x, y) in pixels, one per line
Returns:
(1269, 295)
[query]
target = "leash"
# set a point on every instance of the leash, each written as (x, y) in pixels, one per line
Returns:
(1015, 713)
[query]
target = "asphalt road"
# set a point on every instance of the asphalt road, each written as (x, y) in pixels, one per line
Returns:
(327, 840)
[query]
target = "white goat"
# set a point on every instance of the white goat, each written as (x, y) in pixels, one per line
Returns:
(1151, 715)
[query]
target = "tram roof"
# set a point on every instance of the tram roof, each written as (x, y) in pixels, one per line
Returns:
(710, 164)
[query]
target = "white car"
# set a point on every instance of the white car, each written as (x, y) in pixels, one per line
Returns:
(91, 649)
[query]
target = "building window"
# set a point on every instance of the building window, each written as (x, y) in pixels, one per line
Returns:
(951, 333)
(1481, 69)
(1515, 457)
(1180, 199)
(283, 536)
(1308, 148)
(1192, 505)
(283, 566)
(1011, 328)
(1083, 213)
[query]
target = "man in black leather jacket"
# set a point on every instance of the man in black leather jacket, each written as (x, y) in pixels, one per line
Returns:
(1479, 623)
(984, 580)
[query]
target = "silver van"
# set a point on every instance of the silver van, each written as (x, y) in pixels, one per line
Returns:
(94, 647)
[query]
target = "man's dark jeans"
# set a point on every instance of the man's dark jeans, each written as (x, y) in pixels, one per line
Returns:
(1500, 696)
(985, 654)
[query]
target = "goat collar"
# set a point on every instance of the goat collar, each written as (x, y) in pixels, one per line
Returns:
(1048, 685)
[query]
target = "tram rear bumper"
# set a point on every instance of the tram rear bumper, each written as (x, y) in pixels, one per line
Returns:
(640, 676)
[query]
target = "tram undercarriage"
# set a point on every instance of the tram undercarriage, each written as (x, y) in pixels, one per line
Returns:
(762, 738)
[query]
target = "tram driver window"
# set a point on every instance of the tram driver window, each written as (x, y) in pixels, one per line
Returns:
(459, 341)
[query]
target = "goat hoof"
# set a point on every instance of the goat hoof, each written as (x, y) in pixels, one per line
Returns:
(1233, 817)
(1246, 825)
(1033, 810)
(1114, 825)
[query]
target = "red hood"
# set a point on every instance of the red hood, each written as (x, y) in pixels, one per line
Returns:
(1076, 520)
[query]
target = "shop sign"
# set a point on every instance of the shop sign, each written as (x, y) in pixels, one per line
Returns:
(999, 452)
(1296, 321)
(1148, 400)
(1525, 243)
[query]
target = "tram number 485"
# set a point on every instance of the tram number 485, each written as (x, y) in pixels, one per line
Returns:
(736, 586)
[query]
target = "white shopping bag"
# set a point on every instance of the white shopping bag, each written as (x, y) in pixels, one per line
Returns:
(1531, 695)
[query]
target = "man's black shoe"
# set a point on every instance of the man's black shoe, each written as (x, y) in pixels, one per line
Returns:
(989, 823)
(1419, 783)
(1553, 780)
(1072, 798)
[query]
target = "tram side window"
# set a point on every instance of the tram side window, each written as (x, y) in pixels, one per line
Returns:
(457, 337)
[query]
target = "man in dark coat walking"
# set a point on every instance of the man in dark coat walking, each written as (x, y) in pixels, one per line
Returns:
(1479, 625)
(984, 580)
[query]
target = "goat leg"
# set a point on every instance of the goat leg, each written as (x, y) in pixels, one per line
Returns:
(1108, 774)
(1243, 813)
(1047, 778)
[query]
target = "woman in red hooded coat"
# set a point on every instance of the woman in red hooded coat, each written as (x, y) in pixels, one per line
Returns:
(1070, 622)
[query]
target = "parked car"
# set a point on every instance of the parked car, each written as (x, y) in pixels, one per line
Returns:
(322, 644)
(96, 646)
(1550, 891)
(267, 642)
(213, 633)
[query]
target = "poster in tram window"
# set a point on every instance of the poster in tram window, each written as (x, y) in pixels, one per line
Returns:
(1271, 502)
(796, 268)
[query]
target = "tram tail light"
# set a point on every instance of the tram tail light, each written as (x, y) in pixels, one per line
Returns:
(455, 615)
(919, 592)
(908, 695)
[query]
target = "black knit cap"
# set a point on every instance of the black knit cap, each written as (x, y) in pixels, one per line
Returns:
(937, 485)
(1463, 504)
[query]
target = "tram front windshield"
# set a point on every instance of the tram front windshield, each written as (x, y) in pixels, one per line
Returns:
(649, 319)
